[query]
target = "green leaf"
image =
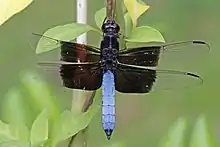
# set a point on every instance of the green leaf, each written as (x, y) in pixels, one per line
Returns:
(13, 143)
(8, 8)
(117, 144)
(20, 132)
(14, 109)
(175, 137)
(201, 136)
(66, 32)
(141, 2)
(121, 21)
(39, 130)
(45, 143)
(99, 17)
(9, 132)
(145, 34)
(41, 96)
(5, 133)
(128, 24)
(70, 123)
(135, 9)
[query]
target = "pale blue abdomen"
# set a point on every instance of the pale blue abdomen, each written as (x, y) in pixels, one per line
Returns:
(108, 103)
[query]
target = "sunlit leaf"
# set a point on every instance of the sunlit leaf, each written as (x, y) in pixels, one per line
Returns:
(120, 20)
(145, 34)
(15, 133)
(39, 130)
(13, 143)
(201, 136)
(66, 32)
(117, 144)
(40, 94)
(135, 9)
(100, 16)
(13, 108)
(20, 132)
(141, 2)
(5, 133)
(70, 123)
(175, 137)
(8, 8)
(128, 24)
(45, 143)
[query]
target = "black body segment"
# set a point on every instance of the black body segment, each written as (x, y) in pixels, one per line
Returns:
(109, 46)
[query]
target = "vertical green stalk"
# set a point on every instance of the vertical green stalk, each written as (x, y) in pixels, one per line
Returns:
(81, 100)
(80, 103)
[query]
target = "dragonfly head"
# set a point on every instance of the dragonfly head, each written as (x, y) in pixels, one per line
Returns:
(110, 27)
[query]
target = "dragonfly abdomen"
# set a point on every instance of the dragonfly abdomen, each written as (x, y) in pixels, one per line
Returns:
(108, 103)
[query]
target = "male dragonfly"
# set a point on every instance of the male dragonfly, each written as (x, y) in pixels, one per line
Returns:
(128, 70)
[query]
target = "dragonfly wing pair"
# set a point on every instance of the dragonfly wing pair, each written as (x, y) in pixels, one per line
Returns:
(80, 68)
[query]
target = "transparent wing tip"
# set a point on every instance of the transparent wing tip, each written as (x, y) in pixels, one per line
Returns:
(202, 42)
(184, 43)
(195, 76)
(176, 80)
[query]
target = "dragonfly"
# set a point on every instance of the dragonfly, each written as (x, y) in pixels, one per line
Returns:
(128, 70)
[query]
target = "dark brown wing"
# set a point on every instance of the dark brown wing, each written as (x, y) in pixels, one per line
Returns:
(85, 76)
(143, 56)
(79, 66)
(149, 55)
(75, 52)
(131, 79)
(70, 51)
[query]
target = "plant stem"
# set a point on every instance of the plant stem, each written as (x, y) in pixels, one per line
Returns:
(110, 9)
(81, 100)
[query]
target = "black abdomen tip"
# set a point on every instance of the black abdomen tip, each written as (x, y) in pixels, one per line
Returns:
(108, 133)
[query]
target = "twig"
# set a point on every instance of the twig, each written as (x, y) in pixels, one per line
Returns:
(110, 9)
(81, 100)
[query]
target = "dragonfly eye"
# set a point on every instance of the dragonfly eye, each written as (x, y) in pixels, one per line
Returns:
(117, 28)
(104, 52)
(114, 51)
(104, 26)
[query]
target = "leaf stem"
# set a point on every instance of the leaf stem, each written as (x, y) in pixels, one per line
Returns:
(81, 100)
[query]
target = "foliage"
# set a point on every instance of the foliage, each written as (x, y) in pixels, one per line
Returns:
(130, 17)
(47, 129)
(201, 136)
(8, 8)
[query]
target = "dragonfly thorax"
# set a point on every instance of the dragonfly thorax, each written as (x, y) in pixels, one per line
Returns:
(109, 45)
(109, 58)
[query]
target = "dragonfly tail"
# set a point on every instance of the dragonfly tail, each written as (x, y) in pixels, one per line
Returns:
(108, 103)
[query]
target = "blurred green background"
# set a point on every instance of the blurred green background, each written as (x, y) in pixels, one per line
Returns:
(141, 121)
